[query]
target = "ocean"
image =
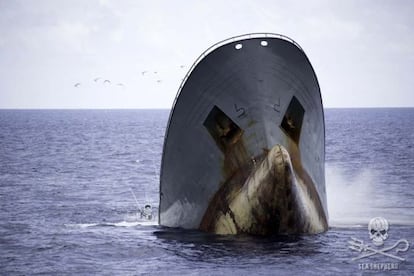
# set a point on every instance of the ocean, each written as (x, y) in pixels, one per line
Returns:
(71, 183)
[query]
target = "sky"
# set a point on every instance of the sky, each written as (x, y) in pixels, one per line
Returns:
(362, 51)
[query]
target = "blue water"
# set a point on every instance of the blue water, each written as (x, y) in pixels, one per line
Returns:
(66, 205)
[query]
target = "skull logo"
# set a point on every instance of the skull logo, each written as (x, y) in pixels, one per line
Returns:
(378, 230)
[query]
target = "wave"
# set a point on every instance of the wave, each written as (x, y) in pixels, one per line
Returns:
(354, 200)
(113, 224)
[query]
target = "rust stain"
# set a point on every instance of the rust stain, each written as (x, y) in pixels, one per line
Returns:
(237, 166)
(251, 123)
(271, 208)
(274, 207)
(258, 195)
(235, 157)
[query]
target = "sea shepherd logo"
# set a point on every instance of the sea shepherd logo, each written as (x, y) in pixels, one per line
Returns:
(378, 232)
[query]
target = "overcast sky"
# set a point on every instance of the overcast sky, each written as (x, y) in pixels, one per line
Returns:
(362, 51)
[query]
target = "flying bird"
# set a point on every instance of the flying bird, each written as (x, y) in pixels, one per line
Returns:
(96, 79)
(120, 84)
(159, 81)
(107, 81)
(77, 84)
(181, 66)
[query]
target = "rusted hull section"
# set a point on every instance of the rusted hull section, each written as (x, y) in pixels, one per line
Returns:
(272, 200)
(244, 147)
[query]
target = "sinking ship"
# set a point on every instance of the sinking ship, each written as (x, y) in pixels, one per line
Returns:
(244, 148)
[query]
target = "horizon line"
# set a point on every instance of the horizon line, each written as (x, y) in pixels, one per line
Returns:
(166, 108)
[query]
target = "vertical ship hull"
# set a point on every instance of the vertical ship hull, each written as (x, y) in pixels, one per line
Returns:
(245, 144)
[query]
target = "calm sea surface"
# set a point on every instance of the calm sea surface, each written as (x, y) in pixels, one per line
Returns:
(67, 180)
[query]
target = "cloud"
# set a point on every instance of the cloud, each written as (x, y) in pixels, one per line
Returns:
(74, 34)
(331, 27)
(351, 43)
(117, 35)
(105, 3)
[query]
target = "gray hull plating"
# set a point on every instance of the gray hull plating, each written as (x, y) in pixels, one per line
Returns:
(241, 99)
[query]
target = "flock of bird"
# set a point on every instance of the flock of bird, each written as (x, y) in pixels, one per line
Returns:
(99, 79)
(146, 72)
(108, 82)
(155, 73)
